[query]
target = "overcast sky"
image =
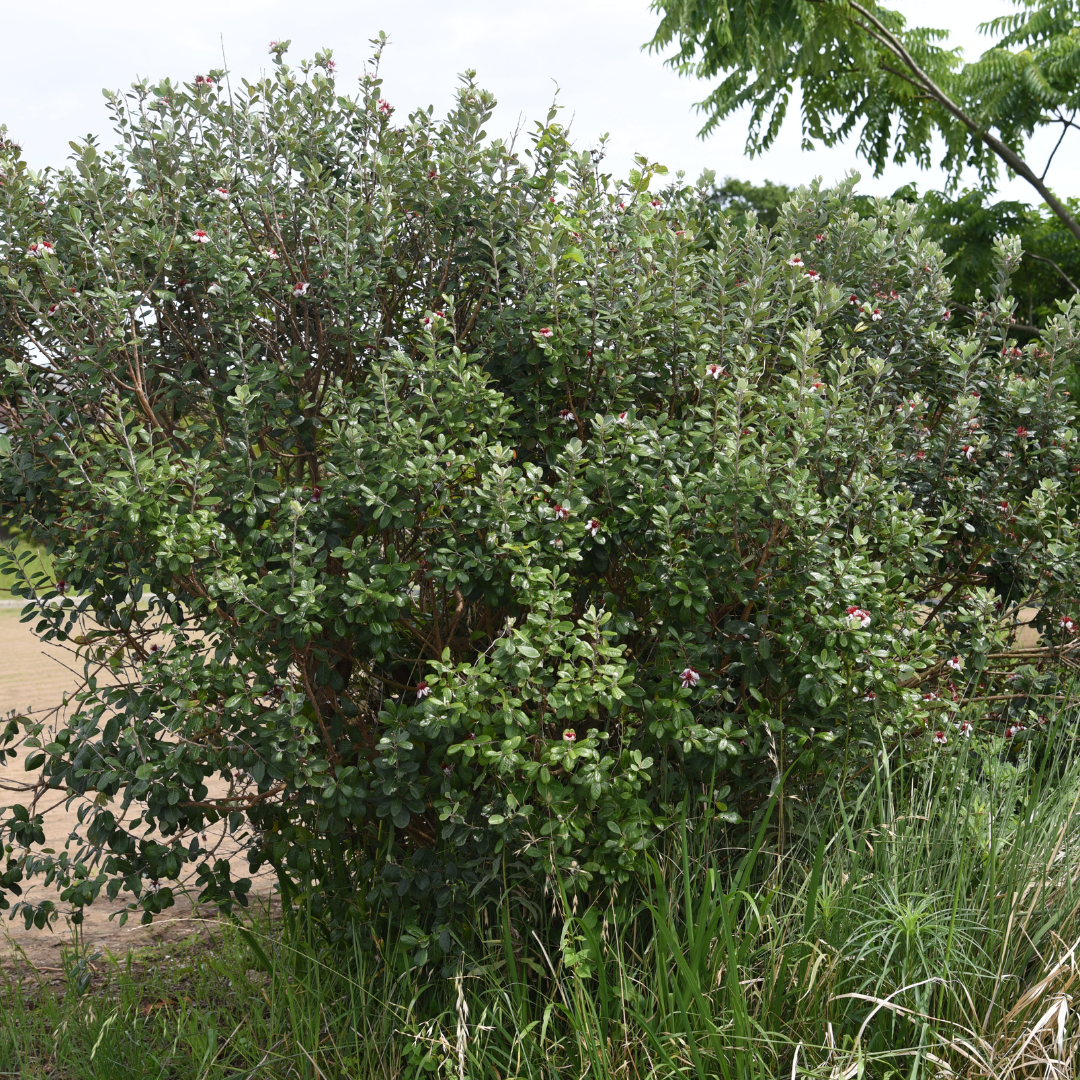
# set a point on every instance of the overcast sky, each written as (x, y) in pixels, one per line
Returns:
(57, 58)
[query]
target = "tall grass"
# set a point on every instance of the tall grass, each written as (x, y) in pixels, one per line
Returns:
(923, 922)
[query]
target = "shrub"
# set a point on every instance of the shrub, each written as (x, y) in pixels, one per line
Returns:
(465, 514)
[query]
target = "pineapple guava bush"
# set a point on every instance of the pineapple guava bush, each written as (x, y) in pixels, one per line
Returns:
(466, 512)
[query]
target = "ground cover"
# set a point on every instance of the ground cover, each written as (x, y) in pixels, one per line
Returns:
(926, 924)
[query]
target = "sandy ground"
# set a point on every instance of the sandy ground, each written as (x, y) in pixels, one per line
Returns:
(34, 676)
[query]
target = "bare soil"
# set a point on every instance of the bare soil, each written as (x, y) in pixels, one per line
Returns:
(34, 679)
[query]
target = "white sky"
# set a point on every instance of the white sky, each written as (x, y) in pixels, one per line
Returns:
(58, 57)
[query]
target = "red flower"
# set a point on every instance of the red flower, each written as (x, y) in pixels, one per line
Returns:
(859, 615)
(1067, 624)
(689, 677)
(946, 315)
(567, 416)
(593, 527)
(953, 663)
(422, 690)
(569, 735)
(656, 204)
(300, 289)
(546, 332)
(940, 738)
(384, 107)
(968, 452)
(853, 299)
(1023, 433)
(715, 370)
(561, 513)
(920, 455)
(221, 193)
(965, 728)
(622, 418)
(200, 236)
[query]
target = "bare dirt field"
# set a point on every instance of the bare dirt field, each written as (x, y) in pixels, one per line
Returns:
(35, 676)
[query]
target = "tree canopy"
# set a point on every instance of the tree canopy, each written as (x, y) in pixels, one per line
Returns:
(861, 69)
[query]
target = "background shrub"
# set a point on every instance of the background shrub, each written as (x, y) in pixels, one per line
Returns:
(467, 514)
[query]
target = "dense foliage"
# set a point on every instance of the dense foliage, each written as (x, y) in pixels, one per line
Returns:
(967, 226)
(438, 513)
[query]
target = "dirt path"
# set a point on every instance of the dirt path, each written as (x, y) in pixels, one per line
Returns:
(34, 679)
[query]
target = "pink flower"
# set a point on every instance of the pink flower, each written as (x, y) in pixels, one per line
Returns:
(968, 452)
(965, 728)
(1013, 729)
(714, 370)
(656, 204)
(221, 193)
(946, 315)
(561, 513)
(689, 677)
(567, 416)
(300, 289)
(859, 615)
(939, 738)
(813, 275)
(384, 107)
(546, 332)
(569, 735)
(1003, 506)
(53, 309)
(593, 527)
(1067, 624)
(330, 65)
(796, 260)
(203, 80)
(930, 696)
(422, 690)
(920, 455)
(876, 315)
(200, 236)
(1023, 433)
(274, 46)
(622, 418)
(271, 254)
(42, 247)
(819, 237)
(954, 663)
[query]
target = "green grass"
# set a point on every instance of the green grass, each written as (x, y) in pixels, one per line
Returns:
(918, 924)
